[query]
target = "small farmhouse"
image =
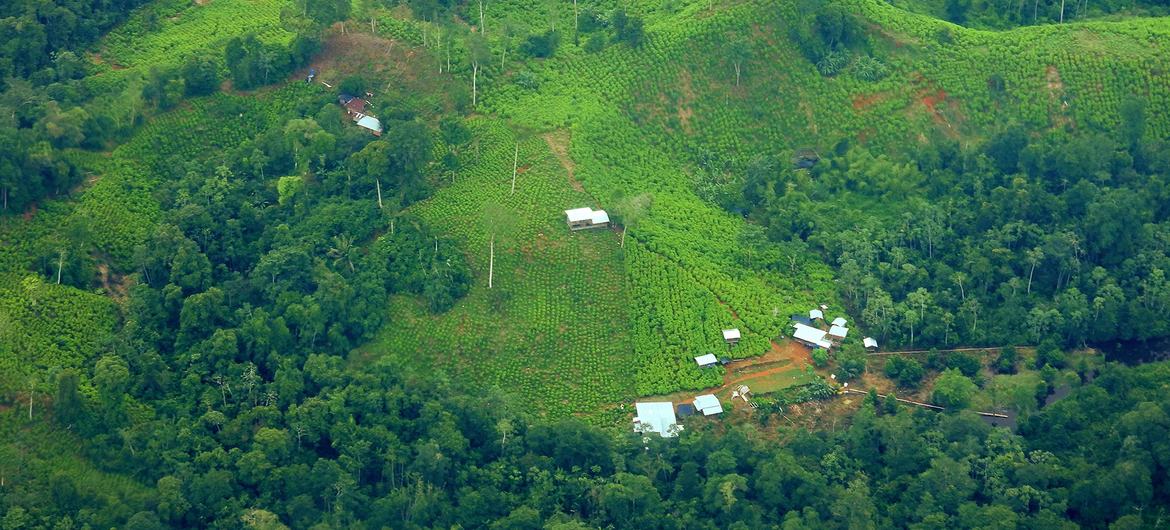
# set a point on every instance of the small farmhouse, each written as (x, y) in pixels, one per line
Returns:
(585, 218)
(355, 108)
(706, 360)
(838, 332)
(656, 417)
(708, 404)
(839, 321)
(731, 336)
(353, 105)
(869, 343)
(815, 314)
(810, 336)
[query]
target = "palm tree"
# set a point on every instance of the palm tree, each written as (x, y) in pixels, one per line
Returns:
(342, 250)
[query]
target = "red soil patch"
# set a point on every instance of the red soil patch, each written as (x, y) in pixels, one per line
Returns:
(862, 102)
(932, 100)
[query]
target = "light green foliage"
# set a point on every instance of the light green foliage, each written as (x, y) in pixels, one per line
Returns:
(45, 328)
(182, 27)
(554, 327)
(953, 390)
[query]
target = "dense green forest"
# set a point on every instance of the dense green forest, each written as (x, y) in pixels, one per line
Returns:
(225, 305)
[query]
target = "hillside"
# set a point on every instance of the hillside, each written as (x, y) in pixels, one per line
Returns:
(224, 304)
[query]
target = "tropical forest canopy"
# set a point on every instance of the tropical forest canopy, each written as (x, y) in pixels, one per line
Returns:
(225, 305)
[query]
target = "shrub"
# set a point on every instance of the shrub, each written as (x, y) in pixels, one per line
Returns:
(1007, 360)
(870, 69)
(832, 63)
(820, 357)
(906, 372)
(542, 44)
(595, 44)
(953, 390)
(1048, 352)
(527, 80)
(966, 363)
(850, 367)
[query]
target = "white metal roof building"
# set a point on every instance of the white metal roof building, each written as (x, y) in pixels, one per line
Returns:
(707, 360)
(839, 321)
(868, 342)
(656, 417)
(811, 336)
(708, 404)
(730, 335)
(579, 218)
(838, 331)
(371, 123)
(815, 314)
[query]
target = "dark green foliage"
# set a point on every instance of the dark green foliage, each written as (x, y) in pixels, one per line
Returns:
(1049, 353)
(628, 29)
(253, 64)
(595, 43)
(825, 33)
(906, 371)
(1008, 360)
(541, 45)
(1023, 239)
(354, 85)
(422, 263)
(850, 366)
(200, 76)
(35, 31)
(966, 363)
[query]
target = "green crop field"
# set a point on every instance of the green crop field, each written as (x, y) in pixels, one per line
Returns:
(553, 327)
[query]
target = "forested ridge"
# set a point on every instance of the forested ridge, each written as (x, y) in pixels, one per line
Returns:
(225, 305)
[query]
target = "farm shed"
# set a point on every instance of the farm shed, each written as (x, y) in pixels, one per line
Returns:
(584, 218)
(731, 335)
(371, 123)
(656, 416)
(839, 321)
(869, 343)
(707, 360)
(815, 314)
(838, 332)
(708, 404)
(811, 336)
(353, 105)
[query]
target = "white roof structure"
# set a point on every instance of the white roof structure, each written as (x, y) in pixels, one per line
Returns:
(869, 342)
(815, 314)
(708, 404)
(371, 123)
(706, 360)
(838, 331)
(811, 335)
(579, 214)
(839, 321)
(731, 334)
(656, 417)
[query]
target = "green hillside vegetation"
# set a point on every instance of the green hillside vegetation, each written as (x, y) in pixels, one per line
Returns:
(224, 305)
